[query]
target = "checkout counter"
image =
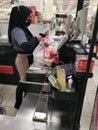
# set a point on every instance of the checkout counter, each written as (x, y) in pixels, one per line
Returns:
(57, 117)
(8, 73)
(44, 107)
(60, 110)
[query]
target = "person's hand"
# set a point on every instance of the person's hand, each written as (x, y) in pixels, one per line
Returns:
(39, 37)
(42, 34)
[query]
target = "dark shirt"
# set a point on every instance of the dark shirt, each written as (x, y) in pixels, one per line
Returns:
(21, 43)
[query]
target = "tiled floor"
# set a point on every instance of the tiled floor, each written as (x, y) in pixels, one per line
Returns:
(89, 99)
(8, 93)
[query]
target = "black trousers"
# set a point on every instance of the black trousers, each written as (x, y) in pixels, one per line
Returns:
(21, 91)
(22, 88)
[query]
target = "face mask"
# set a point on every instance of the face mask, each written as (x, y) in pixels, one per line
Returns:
(28, 22)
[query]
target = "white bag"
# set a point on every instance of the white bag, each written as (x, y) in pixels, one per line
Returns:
(38, 55)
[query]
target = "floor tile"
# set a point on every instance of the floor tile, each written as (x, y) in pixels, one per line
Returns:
(85, 123)
(7, 89)
(11, 111)
(86, 110)
(6, 98)
(11, 101)
(91, 107)
(91, 97)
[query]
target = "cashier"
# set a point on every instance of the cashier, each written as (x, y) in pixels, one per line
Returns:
(24, 43)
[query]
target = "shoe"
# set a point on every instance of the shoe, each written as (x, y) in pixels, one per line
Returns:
(16, 107)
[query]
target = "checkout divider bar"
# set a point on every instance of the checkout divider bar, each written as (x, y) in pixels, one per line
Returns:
(41, 110)
(33, 83)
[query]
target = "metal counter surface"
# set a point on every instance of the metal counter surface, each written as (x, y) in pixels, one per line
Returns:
(57, 117)
(37, 73)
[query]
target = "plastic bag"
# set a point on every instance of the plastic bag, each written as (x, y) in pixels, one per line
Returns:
(43, 52)
(38, 54)
(50, 51)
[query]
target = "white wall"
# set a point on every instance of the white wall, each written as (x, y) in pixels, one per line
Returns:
(49, 8)
(37, 3)
(92, 7)
(39, 6)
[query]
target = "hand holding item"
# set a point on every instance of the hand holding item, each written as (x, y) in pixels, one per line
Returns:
(41, 36)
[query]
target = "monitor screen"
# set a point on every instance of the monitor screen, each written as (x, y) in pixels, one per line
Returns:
(82, 20)
(80, 23)
(62, 42)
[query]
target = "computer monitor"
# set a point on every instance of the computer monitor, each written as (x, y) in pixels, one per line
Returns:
(62, 42)
(81, 23)
(82, 18)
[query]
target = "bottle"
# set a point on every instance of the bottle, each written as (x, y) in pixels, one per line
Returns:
(87, 47)
(70, 81)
